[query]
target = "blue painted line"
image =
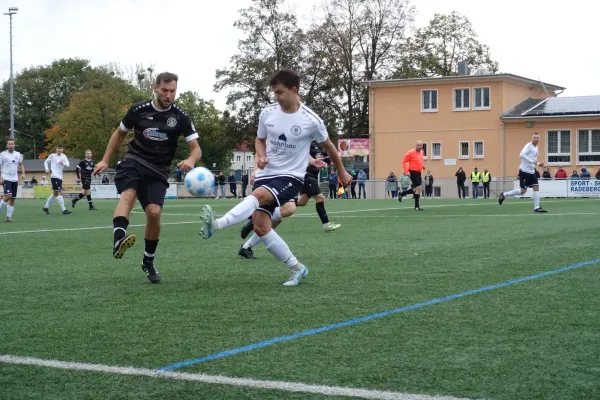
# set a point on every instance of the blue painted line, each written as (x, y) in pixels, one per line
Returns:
(355, 321)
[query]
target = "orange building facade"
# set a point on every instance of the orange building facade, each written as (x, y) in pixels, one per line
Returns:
(478, 121)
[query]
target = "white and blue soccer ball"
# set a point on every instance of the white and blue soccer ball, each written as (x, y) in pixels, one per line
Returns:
(200, 181)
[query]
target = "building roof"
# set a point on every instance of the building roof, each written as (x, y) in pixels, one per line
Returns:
(554, 107)
(242, 147)
(462, 78)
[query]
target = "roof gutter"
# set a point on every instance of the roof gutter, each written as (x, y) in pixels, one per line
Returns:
(543, 117)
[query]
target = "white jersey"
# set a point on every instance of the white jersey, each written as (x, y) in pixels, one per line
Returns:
(288, 139)
(52, 163)
(9, 162)
(529, 156)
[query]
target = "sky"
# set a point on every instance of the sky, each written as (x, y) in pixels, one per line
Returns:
(547, 40)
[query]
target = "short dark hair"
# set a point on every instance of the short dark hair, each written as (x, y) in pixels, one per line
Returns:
(166, 77)
(287, 77)
(10, 140)
(59, 146)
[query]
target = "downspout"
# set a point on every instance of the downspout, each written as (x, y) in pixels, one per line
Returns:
(372, 139)
(503, 154)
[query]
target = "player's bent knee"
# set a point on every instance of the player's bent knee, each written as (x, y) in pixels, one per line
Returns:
(153, 211)
(263, 196)
(320, 198)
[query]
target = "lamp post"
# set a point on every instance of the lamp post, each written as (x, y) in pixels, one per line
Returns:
(28, 135)
(11, 11)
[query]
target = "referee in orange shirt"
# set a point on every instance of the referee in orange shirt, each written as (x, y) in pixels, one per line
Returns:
(413, 164)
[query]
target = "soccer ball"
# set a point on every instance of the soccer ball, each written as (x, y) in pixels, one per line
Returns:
(200, 181)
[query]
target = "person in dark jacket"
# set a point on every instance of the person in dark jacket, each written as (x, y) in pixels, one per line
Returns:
(244, 184)
(232, 185)
(461, 177)
(333, 181)
(221, 184)
(353, 184)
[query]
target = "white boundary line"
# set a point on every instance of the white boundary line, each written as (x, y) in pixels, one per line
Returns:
(223, 380)
(420, 215)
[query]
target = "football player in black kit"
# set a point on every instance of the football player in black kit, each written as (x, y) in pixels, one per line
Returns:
(84, 173)
(142, 174)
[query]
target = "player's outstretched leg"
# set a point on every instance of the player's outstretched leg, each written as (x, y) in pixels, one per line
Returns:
(48, 204)
(237, 214)
(76, 199)
(536, 200)
(320, 206)
(514, 192)
(405, 193)
(123, 241)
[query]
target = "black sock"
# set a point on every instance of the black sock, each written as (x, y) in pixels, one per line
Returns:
(416, 197)
(409, 191)
(120, 224)
(149, 251)
(78, 198)
(89, 197)
(322, 213)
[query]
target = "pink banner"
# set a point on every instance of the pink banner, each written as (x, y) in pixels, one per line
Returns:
(353, 147)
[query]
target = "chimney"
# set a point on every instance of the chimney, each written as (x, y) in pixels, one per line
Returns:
(463, 68)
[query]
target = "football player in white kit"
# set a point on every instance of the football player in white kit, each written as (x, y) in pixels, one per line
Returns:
(285, 132)
(56, 163)
(10, 162)
(527, 177)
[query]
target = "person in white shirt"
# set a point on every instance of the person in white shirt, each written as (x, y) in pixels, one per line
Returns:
(10, 162)
(55, 164)
(527, 177)
(285, 133)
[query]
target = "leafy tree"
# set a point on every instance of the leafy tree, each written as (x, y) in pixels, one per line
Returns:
(216, 145)
(88, 121)
(437, 49)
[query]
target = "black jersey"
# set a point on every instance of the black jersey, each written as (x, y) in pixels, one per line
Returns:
(156, 133)
(84, 169)
(316, 151)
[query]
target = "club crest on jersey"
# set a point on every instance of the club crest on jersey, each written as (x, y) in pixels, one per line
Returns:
(155, 134)
(171, 122)
(295, 130)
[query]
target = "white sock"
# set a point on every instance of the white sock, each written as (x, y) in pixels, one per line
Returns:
(514, 192)
(61, 202)
(276, 246)
(2, 204)
(252, 242)
(9, 211)
(49, 201)
(536, 200)
(277, 215)
(239, 213)
(326, 225)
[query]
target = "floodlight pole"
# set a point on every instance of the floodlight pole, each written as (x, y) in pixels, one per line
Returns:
(11, 11)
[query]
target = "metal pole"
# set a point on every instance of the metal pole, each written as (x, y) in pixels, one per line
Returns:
(12, 84)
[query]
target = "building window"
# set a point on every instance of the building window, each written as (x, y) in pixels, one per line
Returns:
(482, 98)
(478, 149)
(461, 99)
(238, 158)
(248, 158)
(463, 150)
(429, 100)
(436, 151)
(588, 147)
(425, 151)
(558, 147)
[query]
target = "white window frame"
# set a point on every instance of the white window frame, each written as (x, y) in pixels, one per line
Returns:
(460, 155)
(589, 130)
(482, 98)
(238, 158)
(248, 158)
(433, 156)
(437, 97)
(560, 131)
(463, 108)
(475, 156)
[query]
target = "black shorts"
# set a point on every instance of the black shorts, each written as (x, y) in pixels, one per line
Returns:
(415, 178)
(10, 188)
(86, 184)
(149, 188)
(310, 187)
(56, 184)
(283, 188)
(527, 180)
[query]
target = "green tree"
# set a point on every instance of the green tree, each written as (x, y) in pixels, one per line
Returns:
(89, 121)
(216, 145)
(437, 49)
